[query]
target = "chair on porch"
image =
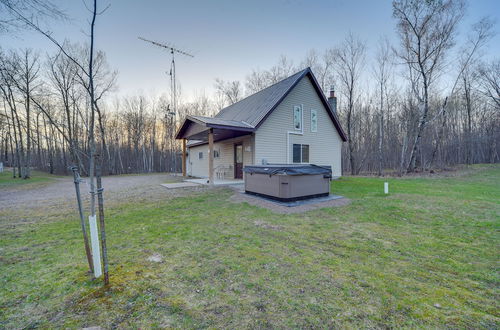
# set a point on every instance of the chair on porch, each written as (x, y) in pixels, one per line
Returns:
(222, 171)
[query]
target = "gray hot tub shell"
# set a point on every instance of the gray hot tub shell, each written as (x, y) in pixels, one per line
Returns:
(288, 182)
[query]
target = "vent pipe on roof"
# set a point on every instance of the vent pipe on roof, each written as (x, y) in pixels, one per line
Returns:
(332, 100)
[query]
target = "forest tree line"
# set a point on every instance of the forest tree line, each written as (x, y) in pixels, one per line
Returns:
(422, 103)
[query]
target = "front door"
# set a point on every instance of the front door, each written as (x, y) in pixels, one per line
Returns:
(238, 161)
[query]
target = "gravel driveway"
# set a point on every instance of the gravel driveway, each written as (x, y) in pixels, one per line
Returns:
(116, 188)
(53, 199)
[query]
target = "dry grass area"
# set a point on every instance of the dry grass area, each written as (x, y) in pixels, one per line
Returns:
(424, 256)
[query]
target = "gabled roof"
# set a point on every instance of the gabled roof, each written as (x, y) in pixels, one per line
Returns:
(249, 113)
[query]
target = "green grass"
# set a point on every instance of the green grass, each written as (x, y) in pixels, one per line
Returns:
(382, 261)
(37, 178)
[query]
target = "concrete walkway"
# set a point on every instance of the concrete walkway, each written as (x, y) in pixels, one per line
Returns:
(179, 185)
(217, 182)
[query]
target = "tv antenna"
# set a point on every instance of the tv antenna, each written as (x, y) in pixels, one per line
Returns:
(173, 89)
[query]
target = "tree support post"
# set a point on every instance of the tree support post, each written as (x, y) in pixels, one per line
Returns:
(76, 180)
(184, 157)
(211, 156)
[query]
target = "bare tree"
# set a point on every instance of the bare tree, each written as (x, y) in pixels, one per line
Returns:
(7, 86)
(382, 73)
(63, 76)
(231, 90)
(427, 30)
(25, 76)
(350, 58)
(37, 10)
(322, 66)
(256, 81)
(260, 79)
(16, 12)
(489, 74)
(479, 36)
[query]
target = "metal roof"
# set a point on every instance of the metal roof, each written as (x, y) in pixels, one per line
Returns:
(221, 122)
(255, 107)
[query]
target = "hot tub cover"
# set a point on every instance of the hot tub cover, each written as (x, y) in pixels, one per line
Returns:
(285, 169)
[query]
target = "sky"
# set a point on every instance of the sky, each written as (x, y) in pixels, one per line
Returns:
(227, 38)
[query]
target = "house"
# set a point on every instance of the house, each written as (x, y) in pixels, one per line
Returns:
(286, 123)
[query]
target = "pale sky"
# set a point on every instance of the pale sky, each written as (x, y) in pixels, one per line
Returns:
(228, 38)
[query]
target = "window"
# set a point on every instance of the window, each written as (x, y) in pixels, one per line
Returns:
(297, 118)
(305, 153)
(200, 155)
(300, 153)
(296, 153)
(314, 121)
(216, 154)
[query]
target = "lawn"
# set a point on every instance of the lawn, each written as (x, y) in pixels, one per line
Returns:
(37, 178)
(426, 255)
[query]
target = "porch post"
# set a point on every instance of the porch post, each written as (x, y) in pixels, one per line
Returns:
(211, 156)
(183, 157)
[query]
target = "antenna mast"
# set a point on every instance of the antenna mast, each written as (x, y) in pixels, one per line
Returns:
(173, 87)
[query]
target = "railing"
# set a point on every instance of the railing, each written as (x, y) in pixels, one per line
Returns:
(222, 171)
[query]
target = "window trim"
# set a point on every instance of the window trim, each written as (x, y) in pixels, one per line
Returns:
(315, 130)
(301, 108)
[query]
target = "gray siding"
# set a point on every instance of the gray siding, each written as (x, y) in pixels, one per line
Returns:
(324, 145)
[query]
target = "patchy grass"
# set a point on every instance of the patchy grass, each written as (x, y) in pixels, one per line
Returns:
(37, 179)
(426, 255)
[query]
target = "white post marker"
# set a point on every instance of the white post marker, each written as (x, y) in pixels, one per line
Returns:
(386, 187)
(94, 241)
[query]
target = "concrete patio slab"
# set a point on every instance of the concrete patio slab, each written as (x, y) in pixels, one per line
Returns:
(292, 207)
(179, 185)
(300, 202)
(216, 182)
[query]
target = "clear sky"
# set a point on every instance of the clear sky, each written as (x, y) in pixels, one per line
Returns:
(228, 38)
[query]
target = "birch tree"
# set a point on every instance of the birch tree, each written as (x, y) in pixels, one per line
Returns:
(427, 31)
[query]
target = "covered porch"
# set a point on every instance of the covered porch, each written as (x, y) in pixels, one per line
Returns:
(218, 149)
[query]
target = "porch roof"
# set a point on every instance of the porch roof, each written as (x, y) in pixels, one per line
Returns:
(198, 127)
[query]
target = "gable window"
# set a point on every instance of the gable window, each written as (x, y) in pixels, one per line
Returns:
(297, 118)
(200, 155)
(300, 153)
(314, 121)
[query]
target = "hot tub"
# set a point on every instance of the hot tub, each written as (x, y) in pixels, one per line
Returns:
(288, 182)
